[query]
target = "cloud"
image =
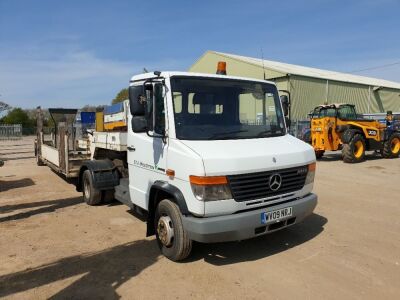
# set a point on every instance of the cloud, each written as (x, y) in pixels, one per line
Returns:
(72, 79)
(75, 78)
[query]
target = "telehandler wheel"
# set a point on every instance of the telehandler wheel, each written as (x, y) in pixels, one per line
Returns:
(354, 151)
(391, 148)
(319, 153)
(171, 237)
(91, 195)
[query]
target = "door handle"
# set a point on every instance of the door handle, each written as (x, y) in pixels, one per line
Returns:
(130, 148)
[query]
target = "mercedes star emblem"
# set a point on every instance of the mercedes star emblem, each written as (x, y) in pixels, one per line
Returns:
(275, 181)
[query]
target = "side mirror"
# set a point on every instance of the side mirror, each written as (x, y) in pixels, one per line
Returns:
(136, 100)
(139, 124)
(285, 104)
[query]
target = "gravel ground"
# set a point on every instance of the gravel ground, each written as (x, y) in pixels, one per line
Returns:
(54, 246)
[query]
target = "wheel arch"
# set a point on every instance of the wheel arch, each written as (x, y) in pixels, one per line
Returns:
(350, 132)
(161, 190)
(104, 174)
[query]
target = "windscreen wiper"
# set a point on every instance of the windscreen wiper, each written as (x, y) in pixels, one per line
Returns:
(269, 133)
(218, 134)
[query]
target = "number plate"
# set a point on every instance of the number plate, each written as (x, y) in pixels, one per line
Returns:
(276, 215)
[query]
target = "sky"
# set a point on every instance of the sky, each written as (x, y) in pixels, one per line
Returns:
(72, 53)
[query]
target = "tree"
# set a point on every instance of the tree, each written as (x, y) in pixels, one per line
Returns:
(121, 96)
(92, 108)
(18, 116)
(4, 106)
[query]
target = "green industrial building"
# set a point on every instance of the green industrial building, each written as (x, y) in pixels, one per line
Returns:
(309, 87)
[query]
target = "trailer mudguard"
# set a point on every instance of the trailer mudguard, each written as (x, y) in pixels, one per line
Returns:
(104, 173)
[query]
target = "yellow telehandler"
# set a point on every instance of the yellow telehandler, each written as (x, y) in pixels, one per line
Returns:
(338, 127)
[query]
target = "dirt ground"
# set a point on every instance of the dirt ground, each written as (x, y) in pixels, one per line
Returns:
(54, 246)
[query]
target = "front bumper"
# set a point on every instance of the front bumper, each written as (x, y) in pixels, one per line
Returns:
(241, 226)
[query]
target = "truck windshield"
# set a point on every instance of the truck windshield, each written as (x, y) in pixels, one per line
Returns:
(216, 109)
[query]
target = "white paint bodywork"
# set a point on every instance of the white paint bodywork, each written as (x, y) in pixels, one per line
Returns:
(50, 154)
(150, 157)
(251, 155)
(115, 141)
(205, 158)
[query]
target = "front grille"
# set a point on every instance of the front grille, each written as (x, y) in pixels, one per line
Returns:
(253, 186)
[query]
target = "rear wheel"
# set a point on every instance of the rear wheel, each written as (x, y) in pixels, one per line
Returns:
(91, 195)
(107, 196)
(354, 151)
(172, 238)
(391, 148)
(319, 153)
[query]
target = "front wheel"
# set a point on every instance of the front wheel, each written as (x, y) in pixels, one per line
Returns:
(354, 151)
(391, 148)
(172, 238)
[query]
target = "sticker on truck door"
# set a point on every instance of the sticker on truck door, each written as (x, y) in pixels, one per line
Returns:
(276, 215)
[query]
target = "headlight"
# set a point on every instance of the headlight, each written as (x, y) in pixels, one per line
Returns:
(210, 188)
(311, 173)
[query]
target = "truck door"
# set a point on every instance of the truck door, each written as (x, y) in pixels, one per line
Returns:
(147, 151)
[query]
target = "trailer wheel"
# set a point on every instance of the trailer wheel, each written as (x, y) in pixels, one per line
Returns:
(91, 195)
(354, 151)
(391, 148)
(171, 237)
(107, 196)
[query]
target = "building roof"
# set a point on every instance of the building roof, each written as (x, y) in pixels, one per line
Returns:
(312, 72)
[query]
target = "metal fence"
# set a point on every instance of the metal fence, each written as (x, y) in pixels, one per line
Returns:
(10, 131)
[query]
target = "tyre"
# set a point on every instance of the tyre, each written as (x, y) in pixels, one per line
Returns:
(319, 153)
(171, 237)
(91, 195)
(391, 148)
(107, 196)
(354, 151)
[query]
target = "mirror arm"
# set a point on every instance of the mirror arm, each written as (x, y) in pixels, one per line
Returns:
(163, 137)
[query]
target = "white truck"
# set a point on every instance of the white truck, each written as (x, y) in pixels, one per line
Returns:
(204, 158)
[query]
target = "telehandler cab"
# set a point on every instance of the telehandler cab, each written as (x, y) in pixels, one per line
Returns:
(337, 126)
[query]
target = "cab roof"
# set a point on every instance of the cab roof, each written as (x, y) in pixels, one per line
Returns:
(166, 74)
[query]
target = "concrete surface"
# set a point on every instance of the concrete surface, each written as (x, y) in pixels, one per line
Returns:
(54, 246)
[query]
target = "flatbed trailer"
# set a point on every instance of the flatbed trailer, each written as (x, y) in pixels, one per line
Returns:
(60, 151)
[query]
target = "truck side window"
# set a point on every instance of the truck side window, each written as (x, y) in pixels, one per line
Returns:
(159, 124)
